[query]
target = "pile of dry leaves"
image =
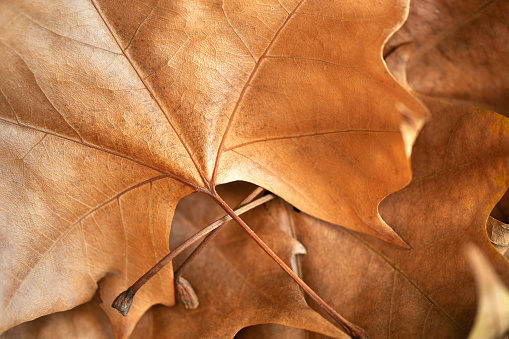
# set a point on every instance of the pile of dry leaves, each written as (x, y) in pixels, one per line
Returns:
(378, 126)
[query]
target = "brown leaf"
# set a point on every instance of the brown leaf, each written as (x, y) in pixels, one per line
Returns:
(111, 112)
(271, 331)
(82, 322)
(236, 283)
(459, 50)
(460, 161)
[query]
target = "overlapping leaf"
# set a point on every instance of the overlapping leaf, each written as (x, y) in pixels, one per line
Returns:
(460, 162)
(271, 331)
(87, 321)
(111, 112)
(459, 50)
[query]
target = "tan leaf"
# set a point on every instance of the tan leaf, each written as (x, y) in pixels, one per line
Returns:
(459, 50)
(111, 112)
(460, 161)
(492, 319)
(236, 283)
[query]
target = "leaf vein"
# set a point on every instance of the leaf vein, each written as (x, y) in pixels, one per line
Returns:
(407, 278)
(242, 93)
(308, 135)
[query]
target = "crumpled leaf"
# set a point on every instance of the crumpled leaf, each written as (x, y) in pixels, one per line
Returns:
(492, 319)
(460, 163)
(459, 50)
(107, 106)
(83, 322)
(236, 283)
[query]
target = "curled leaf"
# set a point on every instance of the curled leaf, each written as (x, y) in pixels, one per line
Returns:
(498, 233)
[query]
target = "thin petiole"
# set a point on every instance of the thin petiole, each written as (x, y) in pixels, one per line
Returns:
(351, 329)
(124, 300)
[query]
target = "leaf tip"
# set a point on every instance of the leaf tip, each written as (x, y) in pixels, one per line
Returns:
(395, 239)
(387, 234)
(123, 302)
(410, 126)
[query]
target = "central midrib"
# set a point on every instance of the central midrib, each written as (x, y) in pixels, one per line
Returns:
(202, 176)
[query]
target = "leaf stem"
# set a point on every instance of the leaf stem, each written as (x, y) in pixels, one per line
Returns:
(351, 329)
(124, 300)
(178, 273)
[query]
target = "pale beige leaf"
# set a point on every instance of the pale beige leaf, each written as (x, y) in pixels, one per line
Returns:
(492, 319)
(498, 232)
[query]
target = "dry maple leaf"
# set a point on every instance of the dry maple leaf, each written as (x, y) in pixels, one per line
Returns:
(460, 50)
(112, 112)
(460, 163)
